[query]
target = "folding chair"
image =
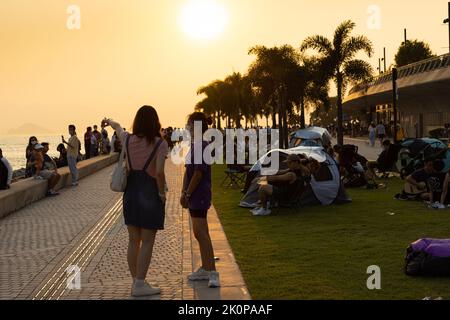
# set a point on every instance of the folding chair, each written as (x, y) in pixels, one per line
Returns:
(234, 177)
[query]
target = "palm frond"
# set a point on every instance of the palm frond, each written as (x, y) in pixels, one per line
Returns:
(355, 44)
(319, 43)
(358, 70)
(342, 33)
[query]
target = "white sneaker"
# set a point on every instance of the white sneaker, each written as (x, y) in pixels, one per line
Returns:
(214, 280)
(199, 275)
(74, 184)
(255, 210)
(262, 212)
(143, 290)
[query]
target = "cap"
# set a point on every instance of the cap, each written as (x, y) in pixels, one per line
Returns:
(38, 146)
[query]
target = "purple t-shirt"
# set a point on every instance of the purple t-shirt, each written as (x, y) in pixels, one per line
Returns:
(201, 198)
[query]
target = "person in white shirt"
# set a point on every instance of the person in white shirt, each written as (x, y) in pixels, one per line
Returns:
(5, 182)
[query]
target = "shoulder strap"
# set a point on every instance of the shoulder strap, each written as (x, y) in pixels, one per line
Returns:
(152, 155)
(128, 153)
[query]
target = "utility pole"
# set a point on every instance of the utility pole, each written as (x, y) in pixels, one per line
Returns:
(384, 59)
(394, 100)
(379, 66)
(406, 39)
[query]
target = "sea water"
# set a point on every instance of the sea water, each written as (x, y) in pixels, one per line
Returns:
(14, 147)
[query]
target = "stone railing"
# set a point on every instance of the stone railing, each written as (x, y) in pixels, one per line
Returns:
(27, 191)
(407, 71)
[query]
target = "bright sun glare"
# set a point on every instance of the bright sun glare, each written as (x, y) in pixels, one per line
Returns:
(203, 19)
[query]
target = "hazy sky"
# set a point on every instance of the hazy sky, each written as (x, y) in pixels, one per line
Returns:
(133, 52)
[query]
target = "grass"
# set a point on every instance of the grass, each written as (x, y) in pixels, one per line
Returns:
(324, 252)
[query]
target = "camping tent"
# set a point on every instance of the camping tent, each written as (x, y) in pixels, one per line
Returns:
(325, 188)
(310, 136)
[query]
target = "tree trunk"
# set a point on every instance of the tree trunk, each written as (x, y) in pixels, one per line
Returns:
(280, 118)
(285, 117)
(218, 121)
(340, 127)
(302, 116)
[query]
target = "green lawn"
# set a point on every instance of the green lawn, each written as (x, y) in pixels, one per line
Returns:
(324, 252)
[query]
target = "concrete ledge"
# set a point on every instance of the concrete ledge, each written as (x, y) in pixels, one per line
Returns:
(27, 191)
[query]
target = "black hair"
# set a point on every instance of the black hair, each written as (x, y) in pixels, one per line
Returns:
(438, 165)
(146, 124)
(72, 127)
(387, 143)
(32, 138)
(199, 117)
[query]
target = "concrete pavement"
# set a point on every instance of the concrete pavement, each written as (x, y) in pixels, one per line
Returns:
(84, 227)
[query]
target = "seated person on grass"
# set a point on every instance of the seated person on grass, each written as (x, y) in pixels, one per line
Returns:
(425, 184)
(445, 197)
(385, 162)
(284, 186)
(42, 173)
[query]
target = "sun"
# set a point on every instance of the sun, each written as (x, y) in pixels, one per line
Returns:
(203, 19)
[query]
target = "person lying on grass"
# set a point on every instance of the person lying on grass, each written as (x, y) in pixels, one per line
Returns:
(285, 186)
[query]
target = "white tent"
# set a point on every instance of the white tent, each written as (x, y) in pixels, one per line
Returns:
(319, 135)
(326, 191)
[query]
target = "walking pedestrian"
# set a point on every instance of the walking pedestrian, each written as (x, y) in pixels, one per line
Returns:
(372, 134)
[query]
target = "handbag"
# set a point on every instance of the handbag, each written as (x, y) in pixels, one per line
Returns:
(120, 174)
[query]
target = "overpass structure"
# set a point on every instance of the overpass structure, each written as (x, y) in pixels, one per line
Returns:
(423, 97)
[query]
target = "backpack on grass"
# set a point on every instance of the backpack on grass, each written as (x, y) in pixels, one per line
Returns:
(428, 257)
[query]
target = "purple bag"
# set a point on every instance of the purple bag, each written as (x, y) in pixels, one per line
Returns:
(428, 257)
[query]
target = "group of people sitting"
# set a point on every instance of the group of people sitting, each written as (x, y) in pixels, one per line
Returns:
(287, 186)
(428, 184)
(357, 171)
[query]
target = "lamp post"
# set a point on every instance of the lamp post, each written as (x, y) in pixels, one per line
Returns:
(394, 100)
(448, 21)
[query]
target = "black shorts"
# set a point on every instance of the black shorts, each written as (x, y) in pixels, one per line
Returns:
(381, 136)
(196, 213)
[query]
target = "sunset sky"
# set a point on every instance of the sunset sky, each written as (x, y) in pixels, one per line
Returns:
(134, 52)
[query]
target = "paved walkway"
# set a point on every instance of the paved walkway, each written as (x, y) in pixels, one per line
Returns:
(371, 153)
(84, 227)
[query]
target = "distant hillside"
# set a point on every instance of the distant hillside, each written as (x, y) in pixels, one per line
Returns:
(29, 129)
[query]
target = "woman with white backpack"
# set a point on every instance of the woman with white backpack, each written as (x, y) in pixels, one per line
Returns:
(144, 192)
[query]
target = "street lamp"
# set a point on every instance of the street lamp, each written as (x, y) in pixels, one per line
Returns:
(448, 21)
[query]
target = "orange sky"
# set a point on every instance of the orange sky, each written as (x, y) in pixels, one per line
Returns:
(133, 52)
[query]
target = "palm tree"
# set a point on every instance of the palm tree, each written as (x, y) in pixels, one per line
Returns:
(212, 104)
(240, 99)
(270, 72)
(338, 57)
